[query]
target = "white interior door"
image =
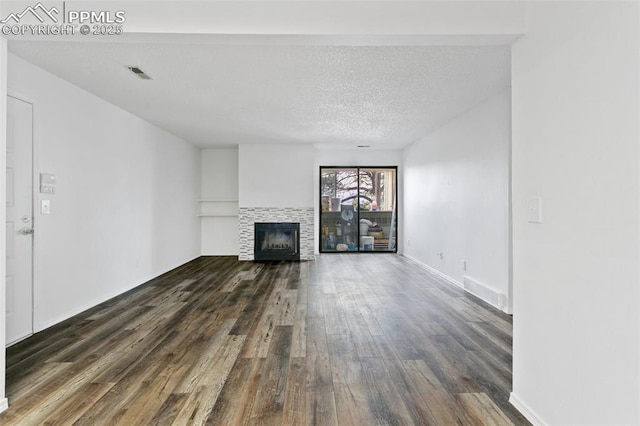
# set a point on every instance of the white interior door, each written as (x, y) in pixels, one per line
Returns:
(19, 220)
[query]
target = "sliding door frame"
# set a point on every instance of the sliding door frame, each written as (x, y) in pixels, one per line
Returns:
(395, 215)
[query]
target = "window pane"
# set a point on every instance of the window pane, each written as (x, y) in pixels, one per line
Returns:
(339, 193)
(377, 205)
(339, 186)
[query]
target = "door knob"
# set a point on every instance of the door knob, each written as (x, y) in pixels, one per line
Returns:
(26, 231)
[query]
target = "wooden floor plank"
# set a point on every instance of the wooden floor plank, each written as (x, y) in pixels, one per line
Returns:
(441, 405)
(320, 397)
(482, 411)
(74, 387)
(343, 340)
(237, 397)
(352, 404)
(269, 404)
(73, 408)
(28, 384)
(299, 338)
(384, 400)
(169, 410)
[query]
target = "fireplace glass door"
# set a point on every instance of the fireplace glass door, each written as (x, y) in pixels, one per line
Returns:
(276, 241)
(358, 209)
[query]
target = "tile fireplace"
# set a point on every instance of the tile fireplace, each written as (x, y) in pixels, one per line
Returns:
(249, 216)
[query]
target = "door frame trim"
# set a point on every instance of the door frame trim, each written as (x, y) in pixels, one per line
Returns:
(34, 199)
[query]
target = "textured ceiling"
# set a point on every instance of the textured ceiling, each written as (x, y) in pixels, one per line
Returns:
(220, 94)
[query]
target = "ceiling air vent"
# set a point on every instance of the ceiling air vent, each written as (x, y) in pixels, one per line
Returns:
(137, 71)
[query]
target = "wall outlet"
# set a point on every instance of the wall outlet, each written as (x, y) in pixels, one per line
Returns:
(464, 265)
(408, 243)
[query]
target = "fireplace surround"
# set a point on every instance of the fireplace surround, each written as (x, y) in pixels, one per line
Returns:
(248, 216)
(276, 241)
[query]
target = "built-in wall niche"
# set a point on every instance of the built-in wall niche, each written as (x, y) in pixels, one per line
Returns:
(217, 208)
(358, 209)
(218, 226)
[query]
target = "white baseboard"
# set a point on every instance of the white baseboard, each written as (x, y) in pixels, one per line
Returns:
(478, 289)
(4, 404)
(434, 271)
(526, 411)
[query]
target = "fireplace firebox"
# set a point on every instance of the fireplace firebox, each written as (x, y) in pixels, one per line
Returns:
(276, 241)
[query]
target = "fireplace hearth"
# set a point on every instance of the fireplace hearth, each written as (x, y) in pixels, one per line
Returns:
(277, 241)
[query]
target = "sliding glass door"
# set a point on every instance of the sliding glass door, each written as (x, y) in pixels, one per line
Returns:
(358, 209)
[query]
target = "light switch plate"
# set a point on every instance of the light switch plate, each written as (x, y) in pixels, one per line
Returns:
(45, 206)
(534, 210)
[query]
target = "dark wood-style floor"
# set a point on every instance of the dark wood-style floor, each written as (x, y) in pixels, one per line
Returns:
(368, 339)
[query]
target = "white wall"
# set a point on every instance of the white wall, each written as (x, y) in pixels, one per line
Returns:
(288, 175)
(476, 18)
(355, 157)
(576, 275)
(125, 207)
(276, 176)
(219, 202)
(275, 185)
(456, 191)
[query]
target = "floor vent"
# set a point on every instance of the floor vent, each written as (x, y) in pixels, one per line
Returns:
(483, 292)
